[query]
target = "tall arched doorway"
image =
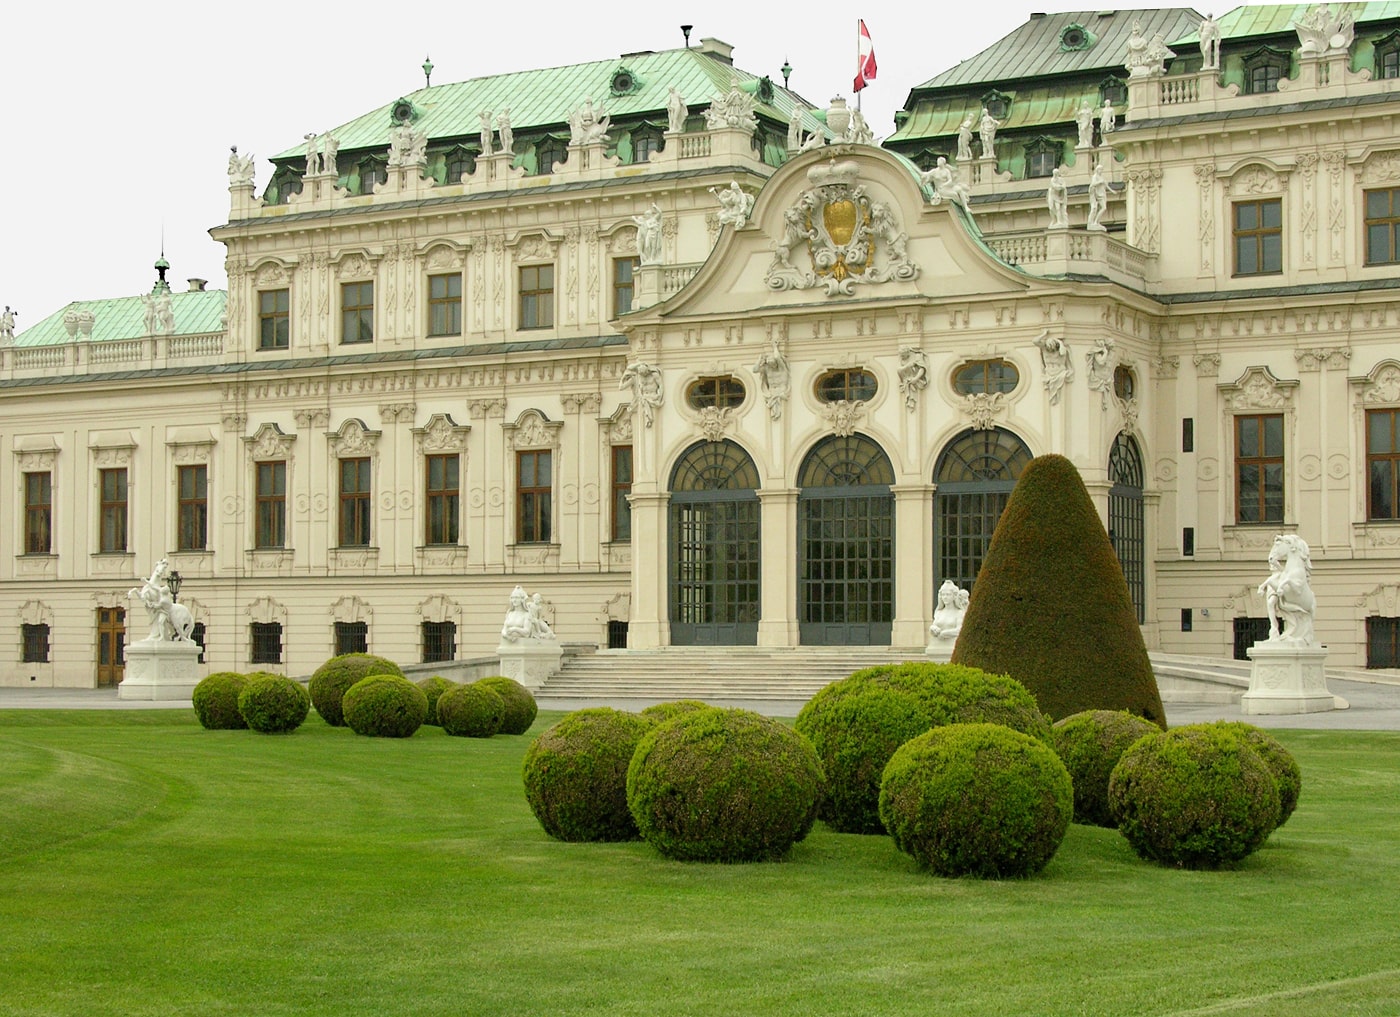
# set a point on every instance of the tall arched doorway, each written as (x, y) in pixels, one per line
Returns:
(714, 546)
(976, 474)
(845, 544)
(1126, 518)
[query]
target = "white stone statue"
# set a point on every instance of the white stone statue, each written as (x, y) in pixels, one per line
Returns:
(517, 625)
(1098, 200)
(913, 374)
(987, 127)
(588, 126)
(814, 141)
(165, 314)
(7, 327)
(484, 119)
(649, 235)
(1210, 43)
(1108, 119)
(1287, 593)
(1059, 369)
(677, 111)
(507, 134)
(1322, 30)
(733, 109)
(735, 204)
(859, 132)
(407, 147)
(644, 381)
(1057, 199)
(539, 628)
(148, 313)
(1137, 60)
(775, 379)
(1102, 359)
(166, 615)
(240, 168)
(1084, 120)
(794, 137)
(965, 140)
(948, 615)
(945, 185)
(330, 149)
(313, 161)
(1158, 55)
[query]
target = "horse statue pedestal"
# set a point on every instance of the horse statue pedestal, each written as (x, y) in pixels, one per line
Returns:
(1286, 678)
(160, 671)
(530, 661)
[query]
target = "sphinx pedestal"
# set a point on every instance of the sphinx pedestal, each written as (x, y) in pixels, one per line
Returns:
(1287, 679)
(530, 661)
(940, 651)
(160, 671)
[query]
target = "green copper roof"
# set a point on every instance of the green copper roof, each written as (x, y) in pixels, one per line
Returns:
(1036, 48)
(545, 98)
(1273, 19)
(1043, 105)
(196, 312)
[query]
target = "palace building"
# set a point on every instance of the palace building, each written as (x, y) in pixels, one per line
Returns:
(701, 364)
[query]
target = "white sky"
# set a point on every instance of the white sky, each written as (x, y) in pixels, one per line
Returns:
(119, 116)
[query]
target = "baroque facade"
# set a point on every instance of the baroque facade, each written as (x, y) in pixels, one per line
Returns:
(703, 365)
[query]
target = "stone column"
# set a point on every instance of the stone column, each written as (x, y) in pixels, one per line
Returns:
(913, 557)
(777, 517)
(649, 625)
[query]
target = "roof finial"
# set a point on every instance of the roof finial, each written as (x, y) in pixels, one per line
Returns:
(685, 31)
(787, 71)
(161, 266)
(428, 71)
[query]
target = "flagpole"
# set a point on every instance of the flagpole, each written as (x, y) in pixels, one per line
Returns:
(860, 68)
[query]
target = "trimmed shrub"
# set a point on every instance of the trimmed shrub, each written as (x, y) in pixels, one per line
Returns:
(576, 775)
(977, 799)
(333, 679)
(857, 723)
(520, 703)
(1050, 606)
(471, 711)
(432, 688)
(1287, 774)
(384, 706)
(215, 701)
(273, 703)
(1195, 797)
(662, 712)
(724, 786)
(1090, 745)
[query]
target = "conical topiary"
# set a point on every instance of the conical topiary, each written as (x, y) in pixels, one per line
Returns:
(1051, 607)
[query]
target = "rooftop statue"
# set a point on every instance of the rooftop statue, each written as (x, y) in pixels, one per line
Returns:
(987, 127)
(485, 119)
(1108, 118)
(965, 140)
(1084, 120)
(148, 313)
(1057, 199)
(859, 132)
(1158, 55)
(407, 146)
(733, 109)
(588, 126)
(1137, 61)
(735, 204)
(1098, 200)
(814, 141)
(1287, 593)
(1210, 43)
(507, 134)
(677, 111)
(165, 614)
(1322, 30)
(775, 378)
(649, 235)
(313, 160)
(240, 168)
(330, 148)
(945, 185)
(7, 327)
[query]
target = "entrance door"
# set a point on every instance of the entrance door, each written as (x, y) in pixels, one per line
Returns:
(111, 645)
(714, 547)
(845, 544)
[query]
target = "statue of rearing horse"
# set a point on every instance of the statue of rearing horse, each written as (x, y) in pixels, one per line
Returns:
(1287, 593)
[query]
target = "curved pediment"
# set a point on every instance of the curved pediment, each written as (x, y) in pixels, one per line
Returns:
(846, 222)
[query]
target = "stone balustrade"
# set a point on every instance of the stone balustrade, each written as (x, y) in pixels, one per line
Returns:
(1064, 251)
(87, 357)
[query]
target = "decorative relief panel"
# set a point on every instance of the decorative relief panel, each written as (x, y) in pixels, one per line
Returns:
(441, 435)
(1207, 364)
(715, 421)
(1381, 168)
(983, 408)
(532, 429)
(1382, 386)
(1258, 389)
(617, 429)
(1102, 359)
(269, 274)
(355, 265)
(1320, 358)
(444, 258)
(353, 439)
(843, 417)
(351, 609)
(269, 442)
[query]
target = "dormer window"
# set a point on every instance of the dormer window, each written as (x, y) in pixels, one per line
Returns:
(645, 141)
(1262, 70)
(372, 173)
(1042, 156)
(997, 104)
(1114, 90)
(1075, 37)
(1387, 52)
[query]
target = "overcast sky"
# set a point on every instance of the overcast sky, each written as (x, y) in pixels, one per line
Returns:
(118, 117)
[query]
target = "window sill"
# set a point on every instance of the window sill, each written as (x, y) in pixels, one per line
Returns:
(444, 335)
(272, 349)
(357, 342)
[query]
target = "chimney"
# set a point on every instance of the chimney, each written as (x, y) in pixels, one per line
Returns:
(721, 51)
(197, 285)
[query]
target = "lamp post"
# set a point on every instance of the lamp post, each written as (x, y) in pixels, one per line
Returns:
(173, 581)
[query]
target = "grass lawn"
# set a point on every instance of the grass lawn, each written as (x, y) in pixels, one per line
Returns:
(150, 867)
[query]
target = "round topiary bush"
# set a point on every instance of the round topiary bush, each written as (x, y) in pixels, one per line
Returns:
(215, 701)
(576, 775)
(432, 688)
(332, 679)
(977, 799)
(662, 712)
(520, 704)
(273, 703)
(471, 711)
(384, 706)
(724, 786)
(1196, 797)
(1287, 774)
(1090, 745)
(855, 734)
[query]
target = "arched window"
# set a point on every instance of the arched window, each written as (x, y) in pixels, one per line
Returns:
(845, 544)
(978, 376)
(975, 475)
(850, 384)
(724, 392)
(714, 546)
(1126, 518)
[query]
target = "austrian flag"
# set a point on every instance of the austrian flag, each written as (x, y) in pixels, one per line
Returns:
(865, 66)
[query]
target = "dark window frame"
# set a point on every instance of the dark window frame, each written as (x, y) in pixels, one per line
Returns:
(192, 508)
(621, 490)
(38, 512)
(445, 308)
(274, 319)
(1037, 151)
(1383, 467)
(357, 312)
(34, 643)
(442, 480)
(264, 642)
(1382, 231)
(1255, 238)
(114, 503)
(628, 286)
(351, 637)
(535, 288)
(997, 374)
(356, 501)
(438, 641)
(270, 501)
(722, 391)
(1264, 68)
(534, 499)
(848, 384)
(1258, 460)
